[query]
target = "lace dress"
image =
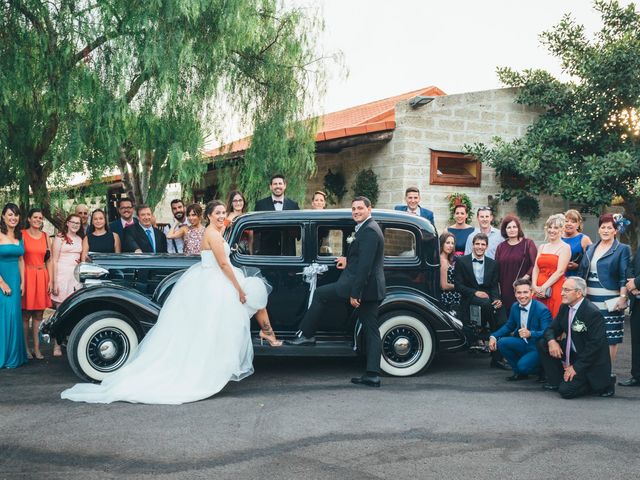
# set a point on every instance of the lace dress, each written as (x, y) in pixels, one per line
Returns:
(450, 298)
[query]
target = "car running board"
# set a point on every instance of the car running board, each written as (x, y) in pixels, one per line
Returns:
(320, 349)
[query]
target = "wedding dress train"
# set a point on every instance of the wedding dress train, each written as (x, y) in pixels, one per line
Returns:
(201, 340)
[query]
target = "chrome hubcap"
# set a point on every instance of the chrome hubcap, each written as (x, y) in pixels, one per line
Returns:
(402, 346)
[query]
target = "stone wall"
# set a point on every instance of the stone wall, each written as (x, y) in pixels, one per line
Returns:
(447, 123)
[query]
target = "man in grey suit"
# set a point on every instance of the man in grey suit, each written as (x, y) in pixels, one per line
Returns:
(361, 283)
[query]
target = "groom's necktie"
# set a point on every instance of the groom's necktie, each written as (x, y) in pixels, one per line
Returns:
(150, 237)
(567, 348)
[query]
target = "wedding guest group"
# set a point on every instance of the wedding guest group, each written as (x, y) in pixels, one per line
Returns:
(412, 205)
(192, 233)
(460, 229)
(485, 219)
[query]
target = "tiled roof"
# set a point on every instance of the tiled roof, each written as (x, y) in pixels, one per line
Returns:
(371, 117)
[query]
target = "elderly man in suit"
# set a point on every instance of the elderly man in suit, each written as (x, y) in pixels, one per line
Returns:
(574, 351)
(143, 237)
(476, 277)
(516, 340)
(633, 287)
(277, 201)
(361, 283)
(412, 205)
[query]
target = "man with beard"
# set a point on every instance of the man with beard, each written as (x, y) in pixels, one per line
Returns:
(176, 245)
(276, 242)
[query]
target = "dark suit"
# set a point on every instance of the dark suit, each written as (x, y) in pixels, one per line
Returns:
(521, 353)
(116, 226)
(634, 272)
(363, 279)
(266, 204)
(424, 212)
(590, 359)
(465, 282)
(135, 238)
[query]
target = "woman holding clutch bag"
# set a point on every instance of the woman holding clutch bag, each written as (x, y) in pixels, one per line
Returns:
(551, 263)
(577, 240)
(604, 267)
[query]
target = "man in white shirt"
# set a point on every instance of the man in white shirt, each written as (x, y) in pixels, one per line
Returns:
(485, 217)
(176, 245)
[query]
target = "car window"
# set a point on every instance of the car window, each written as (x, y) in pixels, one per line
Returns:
(330, 242)
(399, 242)
(273, 240)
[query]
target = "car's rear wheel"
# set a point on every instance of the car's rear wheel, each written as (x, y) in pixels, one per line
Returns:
(100, 344)
(408, 345)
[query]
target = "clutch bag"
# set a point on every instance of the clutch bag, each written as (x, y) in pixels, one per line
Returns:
(611, 304)
(548, 292)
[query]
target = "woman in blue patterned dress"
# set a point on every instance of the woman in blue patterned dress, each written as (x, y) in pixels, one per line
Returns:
(604, 267)
(13, 352)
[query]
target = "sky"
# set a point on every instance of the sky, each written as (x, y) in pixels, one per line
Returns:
(395, 46)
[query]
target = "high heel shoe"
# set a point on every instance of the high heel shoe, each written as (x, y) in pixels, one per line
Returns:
(269, 337)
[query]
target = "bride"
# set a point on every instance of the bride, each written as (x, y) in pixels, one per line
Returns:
(202, 337)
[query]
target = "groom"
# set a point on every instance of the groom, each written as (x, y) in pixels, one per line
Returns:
(361, 284)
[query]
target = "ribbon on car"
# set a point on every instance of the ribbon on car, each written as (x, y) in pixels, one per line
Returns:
(310, 276)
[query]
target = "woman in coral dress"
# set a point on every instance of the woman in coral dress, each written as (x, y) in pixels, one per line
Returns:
(551, 264)
(66, 250)
(37, 275)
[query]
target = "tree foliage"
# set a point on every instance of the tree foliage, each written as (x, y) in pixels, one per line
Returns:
(584, 146)
(92, 85)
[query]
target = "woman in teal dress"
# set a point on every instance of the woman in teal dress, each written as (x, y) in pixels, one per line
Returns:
(12, 350)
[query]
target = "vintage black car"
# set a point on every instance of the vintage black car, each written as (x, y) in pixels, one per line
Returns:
(102, 323)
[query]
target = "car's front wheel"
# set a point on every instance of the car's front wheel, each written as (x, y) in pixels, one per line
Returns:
(100, 344)
(408, 345)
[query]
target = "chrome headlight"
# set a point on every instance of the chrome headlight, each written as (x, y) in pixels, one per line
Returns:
(90, 271)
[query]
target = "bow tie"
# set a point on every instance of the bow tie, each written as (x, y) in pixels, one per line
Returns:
(475, 260)
(277, 201)
(524, 309)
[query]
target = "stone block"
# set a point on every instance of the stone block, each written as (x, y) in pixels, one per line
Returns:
(493, 116)
(410, 133)
(480, 127)
(521, 118)
(467, 113)
(446, 124)
(437, 136)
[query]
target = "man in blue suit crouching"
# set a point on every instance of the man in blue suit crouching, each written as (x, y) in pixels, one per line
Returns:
(516, 339)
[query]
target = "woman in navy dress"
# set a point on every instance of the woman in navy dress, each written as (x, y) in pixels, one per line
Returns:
(577, 240)
(461, 229)
(13, 352)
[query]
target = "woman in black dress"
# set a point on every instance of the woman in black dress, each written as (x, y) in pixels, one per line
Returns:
(100, 240)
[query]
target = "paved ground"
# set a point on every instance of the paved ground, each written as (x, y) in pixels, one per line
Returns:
(299, 418)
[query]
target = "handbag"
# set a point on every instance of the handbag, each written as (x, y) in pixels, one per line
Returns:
(526, 249)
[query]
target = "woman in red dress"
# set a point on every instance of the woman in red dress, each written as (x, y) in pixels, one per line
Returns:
(37, 279)
(551, 264)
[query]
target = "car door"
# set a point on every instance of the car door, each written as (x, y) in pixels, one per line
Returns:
(277, 250)
(330, 241)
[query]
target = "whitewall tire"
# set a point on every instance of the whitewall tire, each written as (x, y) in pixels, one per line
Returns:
(408, 345)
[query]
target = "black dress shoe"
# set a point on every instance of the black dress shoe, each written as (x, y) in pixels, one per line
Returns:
(548, 386)
(632, 382)
(541, 379)
(517, 376)
(368, 380)
(499, 364)
(610, 391)
(301, 341)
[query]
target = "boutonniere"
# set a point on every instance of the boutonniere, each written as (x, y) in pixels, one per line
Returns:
(578, 326)
(351, 238)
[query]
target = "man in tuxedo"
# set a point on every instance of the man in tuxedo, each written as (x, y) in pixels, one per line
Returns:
(277, 201)
(412, 205)
(361, 283)
(573, 350)
(485, 217)
(516, 340)
(143, 237)
(476, 278)
(176, 245)
(125, 210)
(633, 287)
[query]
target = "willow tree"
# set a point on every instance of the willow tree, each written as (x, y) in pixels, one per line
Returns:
(585, 146)
(93, 85)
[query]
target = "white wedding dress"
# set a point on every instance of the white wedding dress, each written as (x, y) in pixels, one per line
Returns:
(201, 341)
